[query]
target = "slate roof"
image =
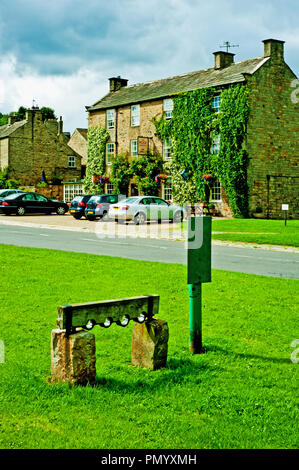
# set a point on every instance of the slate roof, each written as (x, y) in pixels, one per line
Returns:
(168, 86)
(7, 129)
(83, 132)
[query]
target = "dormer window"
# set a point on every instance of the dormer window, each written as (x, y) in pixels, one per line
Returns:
(216, 102)
(168, 108)
(110, 118)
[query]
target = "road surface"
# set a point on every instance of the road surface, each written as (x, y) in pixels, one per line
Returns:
(247, 260)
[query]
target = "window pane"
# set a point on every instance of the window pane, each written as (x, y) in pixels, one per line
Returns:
(135, 115)
(110, 113)
(168, 108)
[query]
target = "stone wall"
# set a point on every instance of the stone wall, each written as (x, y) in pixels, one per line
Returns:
(53, 191)
(4, 153)
(273, 140)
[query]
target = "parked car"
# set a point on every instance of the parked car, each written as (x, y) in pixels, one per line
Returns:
(98, 205)
(7, 192)
(78, 205)
(145, 208)
(23, 203)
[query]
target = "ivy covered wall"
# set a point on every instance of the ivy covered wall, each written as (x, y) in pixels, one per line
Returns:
(192, 128)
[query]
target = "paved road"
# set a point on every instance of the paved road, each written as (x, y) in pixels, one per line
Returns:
(249, 260)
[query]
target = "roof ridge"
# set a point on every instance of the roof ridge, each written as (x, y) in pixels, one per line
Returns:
(190, 73)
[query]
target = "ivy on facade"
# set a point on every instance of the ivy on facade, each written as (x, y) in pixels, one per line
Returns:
(192, 129)
(96, 159)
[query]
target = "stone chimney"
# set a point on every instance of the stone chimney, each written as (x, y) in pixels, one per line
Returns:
(12, 119)
(60, 126)
(116, 83)
(274, 48)
(34, 115)
(223, 59)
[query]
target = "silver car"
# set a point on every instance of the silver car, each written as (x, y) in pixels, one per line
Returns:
(145, 208)
(98, 205)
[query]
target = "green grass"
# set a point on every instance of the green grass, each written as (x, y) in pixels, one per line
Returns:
(257, 231)
(240, 394)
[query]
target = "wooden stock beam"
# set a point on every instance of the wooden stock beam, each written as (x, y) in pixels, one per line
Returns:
(74, 316)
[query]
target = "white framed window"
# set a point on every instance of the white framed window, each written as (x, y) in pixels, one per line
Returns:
(110, 188)
(216, 192)
(72, 161)
(167, 149)
(110, 118)
(134, 148)
(109, 153)
(216, 144)
(135, 115)
(167, 190)
(216, 102)
(71, 190)
(168, 108)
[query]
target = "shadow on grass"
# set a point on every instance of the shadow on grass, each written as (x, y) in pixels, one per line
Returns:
(176, 372)
(275, 360)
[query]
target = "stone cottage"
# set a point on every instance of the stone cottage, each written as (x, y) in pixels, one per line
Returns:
(272, 131)
(30, 147)
(78, 142)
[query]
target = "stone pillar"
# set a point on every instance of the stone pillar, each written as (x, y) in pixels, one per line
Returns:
(73, 357)
(150, 344)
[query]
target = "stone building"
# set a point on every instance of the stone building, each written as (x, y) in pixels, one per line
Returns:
(78, 142)
(272, 139)
(30, 147)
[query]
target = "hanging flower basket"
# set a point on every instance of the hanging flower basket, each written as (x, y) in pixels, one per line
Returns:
(207, 177)
(161, 178)
(100, 179)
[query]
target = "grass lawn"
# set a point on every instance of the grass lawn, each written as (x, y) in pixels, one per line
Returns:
(240, 394)
(257, 231)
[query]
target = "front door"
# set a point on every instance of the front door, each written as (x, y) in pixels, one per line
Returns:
(134, 190)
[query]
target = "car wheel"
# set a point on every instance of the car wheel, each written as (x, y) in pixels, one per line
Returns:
(178, 217)
(60, 210)
(139, 218)
(21, 210)
(77, 216)
(90, 217)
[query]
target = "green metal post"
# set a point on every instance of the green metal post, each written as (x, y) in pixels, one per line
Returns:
(195, 318)
(198, 271)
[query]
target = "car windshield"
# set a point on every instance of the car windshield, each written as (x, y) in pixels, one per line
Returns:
(78, 199)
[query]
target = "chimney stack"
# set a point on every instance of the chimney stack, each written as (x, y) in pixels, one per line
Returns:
(116, 83)
(223, 59)
(60, 125)
(274, 48)
(12, 119)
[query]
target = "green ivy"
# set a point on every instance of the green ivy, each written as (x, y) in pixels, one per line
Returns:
(96, 158)
(192, 127)
(145, 168)
(121, 174)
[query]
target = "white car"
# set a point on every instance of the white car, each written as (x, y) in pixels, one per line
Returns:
(145, 208)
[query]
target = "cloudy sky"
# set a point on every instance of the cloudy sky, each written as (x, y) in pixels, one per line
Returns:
(61, 53)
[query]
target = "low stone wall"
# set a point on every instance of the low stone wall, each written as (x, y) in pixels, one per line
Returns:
(52, 191)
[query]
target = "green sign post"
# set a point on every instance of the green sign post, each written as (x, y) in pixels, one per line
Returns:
(198, 271)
